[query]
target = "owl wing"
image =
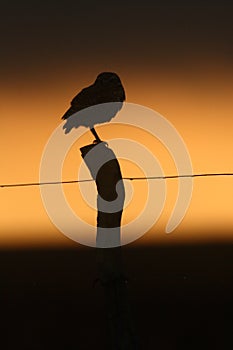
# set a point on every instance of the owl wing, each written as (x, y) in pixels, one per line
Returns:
(80, 101)
(94, 95)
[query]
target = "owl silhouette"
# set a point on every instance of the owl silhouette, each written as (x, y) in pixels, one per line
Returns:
(93, 105)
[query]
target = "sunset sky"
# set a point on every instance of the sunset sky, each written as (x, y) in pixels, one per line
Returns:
(175, 57)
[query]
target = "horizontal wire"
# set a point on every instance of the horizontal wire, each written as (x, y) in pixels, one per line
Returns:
(45, 183)
(177, 176)
(124, 178)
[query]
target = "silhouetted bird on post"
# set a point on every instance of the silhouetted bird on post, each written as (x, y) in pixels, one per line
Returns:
(106, 88)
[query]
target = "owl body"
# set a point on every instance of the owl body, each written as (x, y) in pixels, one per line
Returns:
(106, 88)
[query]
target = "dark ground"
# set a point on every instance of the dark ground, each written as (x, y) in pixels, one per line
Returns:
(180, 297)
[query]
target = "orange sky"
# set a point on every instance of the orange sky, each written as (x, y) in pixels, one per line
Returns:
(197, 102)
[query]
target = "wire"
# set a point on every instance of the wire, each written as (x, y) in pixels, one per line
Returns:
(177, 176)
(124, 178)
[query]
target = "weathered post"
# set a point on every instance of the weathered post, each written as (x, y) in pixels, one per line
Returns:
(105, 170)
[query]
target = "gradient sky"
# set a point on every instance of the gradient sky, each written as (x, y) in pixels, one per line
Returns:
(172, 56)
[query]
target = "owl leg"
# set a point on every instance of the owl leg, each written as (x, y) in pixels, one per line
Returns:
(97, 139)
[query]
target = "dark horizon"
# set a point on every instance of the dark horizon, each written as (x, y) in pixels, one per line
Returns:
(180, 297)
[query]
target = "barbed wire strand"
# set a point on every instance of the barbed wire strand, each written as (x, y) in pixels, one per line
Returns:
(124, 178)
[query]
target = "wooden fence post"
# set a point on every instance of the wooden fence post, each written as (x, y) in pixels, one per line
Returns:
(105, 170)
